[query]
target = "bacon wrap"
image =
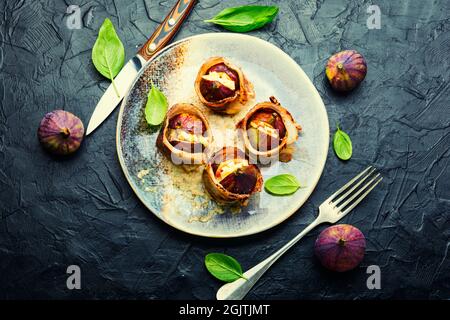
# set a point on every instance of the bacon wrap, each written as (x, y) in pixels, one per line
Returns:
(217, 190)
(181, 155)
(291, 134)
(243, 93)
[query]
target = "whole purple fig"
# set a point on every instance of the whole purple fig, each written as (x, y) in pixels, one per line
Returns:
(340, 247)
(61, 132)
(345, 70)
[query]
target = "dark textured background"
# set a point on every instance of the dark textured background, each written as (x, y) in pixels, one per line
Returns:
(82, 211)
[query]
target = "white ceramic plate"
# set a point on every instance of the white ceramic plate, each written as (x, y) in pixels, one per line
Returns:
(178, 197)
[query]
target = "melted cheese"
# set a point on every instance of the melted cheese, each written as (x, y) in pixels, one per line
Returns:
(221, 77)
(265, 128)
(181, 135)
(228, 167)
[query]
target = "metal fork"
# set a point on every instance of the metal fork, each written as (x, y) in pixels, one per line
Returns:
(331, 210)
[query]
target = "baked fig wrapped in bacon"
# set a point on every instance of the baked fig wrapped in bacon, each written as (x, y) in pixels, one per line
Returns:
(267, 130)
(222, 86)
(230, 178)
(185, 135)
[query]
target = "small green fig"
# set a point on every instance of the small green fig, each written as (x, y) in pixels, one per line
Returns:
(346, 70)
(61, 132)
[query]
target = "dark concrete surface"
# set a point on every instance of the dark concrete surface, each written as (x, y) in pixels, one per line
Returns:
(81, 211)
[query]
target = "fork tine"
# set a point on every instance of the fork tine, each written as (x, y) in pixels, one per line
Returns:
(348, 184)
(361, 197)
(341, 198)
(364, 187)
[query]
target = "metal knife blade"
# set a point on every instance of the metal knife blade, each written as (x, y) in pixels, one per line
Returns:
(110, 99)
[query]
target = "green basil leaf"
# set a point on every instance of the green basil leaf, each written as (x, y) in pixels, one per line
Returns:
(223, 267)
(108, 53)
(283, 184)
(342, 145)
(156, 107)
(245, 18)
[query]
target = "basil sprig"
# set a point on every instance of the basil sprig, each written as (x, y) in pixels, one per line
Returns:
(281, 185)
(244, 18)
(156, 106)
(108, 53)
(223, 267)
(342, 145)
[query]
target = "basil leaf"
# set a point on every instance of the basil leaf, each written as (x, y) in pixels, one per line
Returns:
(342, 145)
(108, 53)
(223, 267)
(283, 184)
(156, 107)
(245, 18)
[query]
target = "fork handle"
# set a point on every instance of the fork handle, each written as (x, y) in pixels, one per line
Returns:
(237, 290)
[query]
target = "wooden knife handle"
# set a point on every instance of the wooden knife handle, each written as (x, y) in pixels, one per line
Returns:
(167, 29)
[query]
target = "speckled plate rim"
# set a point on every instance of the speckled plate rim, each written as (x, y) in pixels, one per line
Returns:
(294, 66)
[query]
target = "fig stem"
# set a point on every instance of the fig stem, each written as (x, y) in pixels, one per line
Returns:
(65, 132)
(340, 66)
(341, 242)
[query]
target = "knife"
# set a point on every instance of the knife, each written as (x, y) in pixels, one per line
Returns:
(163, 34)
